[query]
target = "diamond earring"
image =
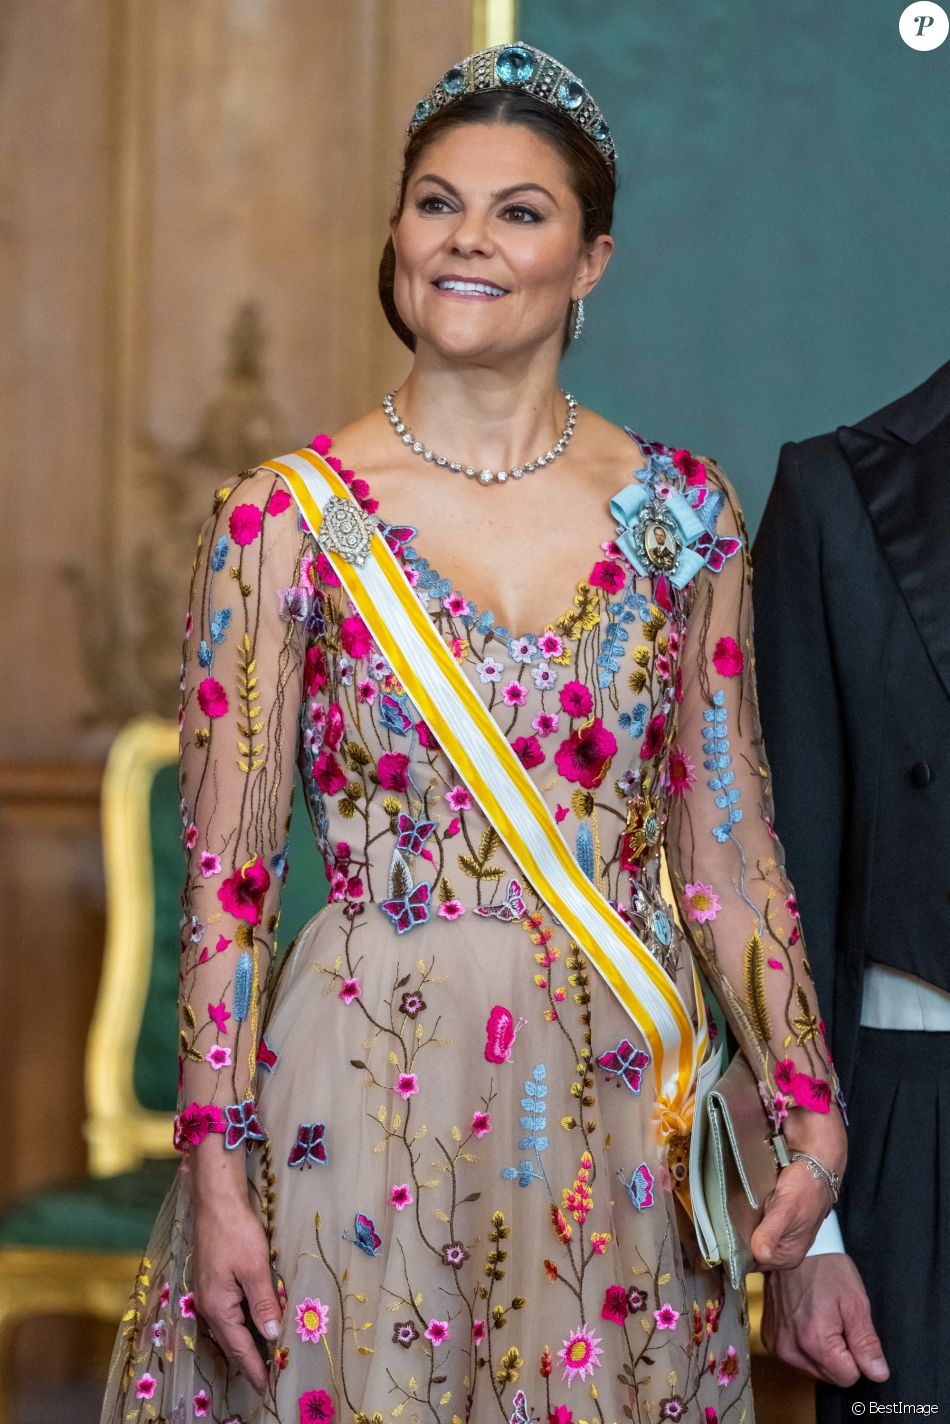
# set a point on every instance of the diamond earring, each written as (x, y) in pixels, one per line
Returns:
(577, 321)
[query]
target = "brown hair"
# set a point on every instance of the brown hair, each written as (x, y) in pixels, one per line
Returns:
(592, 178)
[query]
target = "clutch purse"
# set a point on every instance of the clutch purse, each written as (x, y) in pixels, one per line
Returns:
(735, 1159)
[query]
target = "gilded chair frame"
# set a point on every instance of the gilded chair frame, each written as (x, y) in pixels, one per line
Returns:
(119, 1132)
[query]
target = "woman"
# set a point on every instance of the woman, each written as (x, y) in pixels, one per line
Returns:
(450, 1185)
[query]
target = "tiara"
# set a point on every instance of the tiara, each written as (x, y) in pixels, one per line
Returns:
(519, 66)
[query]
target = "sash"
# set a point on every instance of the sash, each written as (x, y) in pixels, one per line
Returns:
(490, 769)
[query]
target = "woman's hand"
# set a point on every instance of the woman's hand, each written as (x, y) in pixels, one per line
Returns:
(232, 1264)
(799, 1203)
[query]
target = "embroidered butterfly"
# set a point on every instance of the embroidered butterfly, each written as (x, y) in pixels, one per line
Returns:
(714, 551)
(407, 910)
(626, 1062)
(397, 535)
(309, 1147)
(367, 1237)
(412, 834)
(243, 1124)
(520, 1413)
(500, 1031)
(266, 1056)
(640, 1186)
(393, 715)
(508, 910)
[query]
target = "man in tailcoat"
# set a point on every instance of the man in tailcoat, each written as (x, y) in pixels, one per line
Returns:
(852, 619)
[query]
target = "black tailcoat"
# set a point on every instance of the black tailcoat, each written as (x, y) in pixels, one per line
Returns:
(851, 599)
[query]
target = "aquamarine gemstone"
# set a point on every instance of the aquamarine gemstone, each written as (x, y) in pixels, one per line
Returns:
(600, 131)
(422, 111)
(571, 94)
(515, 65)
(453, 82)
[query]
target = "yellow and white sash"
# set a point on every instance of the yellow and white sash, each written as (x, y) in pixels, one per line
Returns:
(486, 763)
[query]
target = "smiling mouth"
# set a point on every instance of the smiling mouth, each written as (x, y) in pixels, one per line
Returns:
(469, 289)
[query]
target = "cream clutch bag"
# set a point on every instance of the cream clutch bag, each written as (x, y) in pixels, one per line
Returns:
(735, 1159)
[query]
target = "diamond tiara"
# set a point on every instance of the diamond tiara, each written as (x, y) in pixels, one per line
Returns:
(520, 66)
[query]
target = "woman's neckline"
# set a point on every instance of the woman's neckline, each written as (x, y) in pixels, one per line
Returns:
(439, 586)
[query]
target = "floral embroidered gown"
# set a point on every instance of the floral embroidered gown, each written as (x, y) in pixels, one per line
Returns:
(451, 1132)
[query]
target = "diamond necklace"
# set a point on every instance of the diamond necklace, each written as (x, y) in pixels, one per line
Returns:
(485, 477)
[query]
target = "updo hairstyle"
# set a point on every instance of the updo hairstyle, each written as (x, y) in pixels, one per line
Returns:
(592, 180)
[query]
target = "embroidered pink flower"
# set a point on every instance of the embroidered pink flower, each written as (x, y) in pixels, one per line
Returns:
(355, 637)
(316, 1407)
(579, 1354)
(481, 1123)
(438, 1331)
(351, 990)
(400, 1197)
(478, 1331)
(315, 671)
(607, 575)
(165, 1293)
(586, 755)
(326, 573)
(212, 698)
(456, 605)
(653, 737)
(545, 723)
(727, 658)
(808, 1092)
(392, 769)
(561, 814)
(219, 1016)
(551, 644)
(278, 502)
(451, 909)
(528, 751)
(366, 691)
(459, 798)
(189, 625)
(702, 902)
(514, 695)
(328, 774)
(560, 1414)
(693, 469)
(200, 1403)
(615, 1306)
(405, 1085)
(666, 1317)
(192, 1125)
(335, 726)
(728, 1367)
(312, 1317)
(426, 736)
(680, 772)
(209, 864)
(191, 836)
(218, 1057)
(245, 523)
(186, 1305)
(242, 894)
(145, 1386)
(321, 443)
(576, 699)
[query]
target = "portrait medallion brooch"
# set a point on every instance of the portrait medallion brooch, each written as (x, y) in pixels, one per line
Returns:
(655, 532)
(346, 530)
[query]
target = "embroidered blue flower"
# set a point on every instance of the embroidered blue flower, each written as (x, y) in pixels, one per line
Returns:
(533, 1121)
(719, 762)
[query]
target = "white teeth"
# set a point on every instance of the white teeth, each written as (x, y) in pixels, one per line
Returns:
(453, 286)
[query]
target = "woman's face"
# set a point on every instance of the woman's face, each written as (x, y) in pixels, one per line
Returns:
(489, 251)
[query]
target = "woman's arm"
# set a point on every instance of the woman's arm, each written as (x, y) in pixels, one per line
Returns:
(727, 869)
(249, 622)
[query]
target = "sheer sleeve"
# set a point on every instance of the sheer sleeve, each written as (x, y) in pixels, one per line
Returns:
(726, 863)
(251, 615)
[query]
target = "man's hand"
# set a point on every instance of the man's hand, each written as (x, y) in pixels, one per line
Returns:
(817, 1318)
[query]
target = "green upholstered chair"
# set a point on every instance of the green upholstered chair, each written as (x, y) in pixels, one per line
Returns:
(75, 1247)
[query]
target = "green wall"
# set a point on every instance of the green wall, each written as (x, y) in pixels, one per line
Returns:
(783, 225)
